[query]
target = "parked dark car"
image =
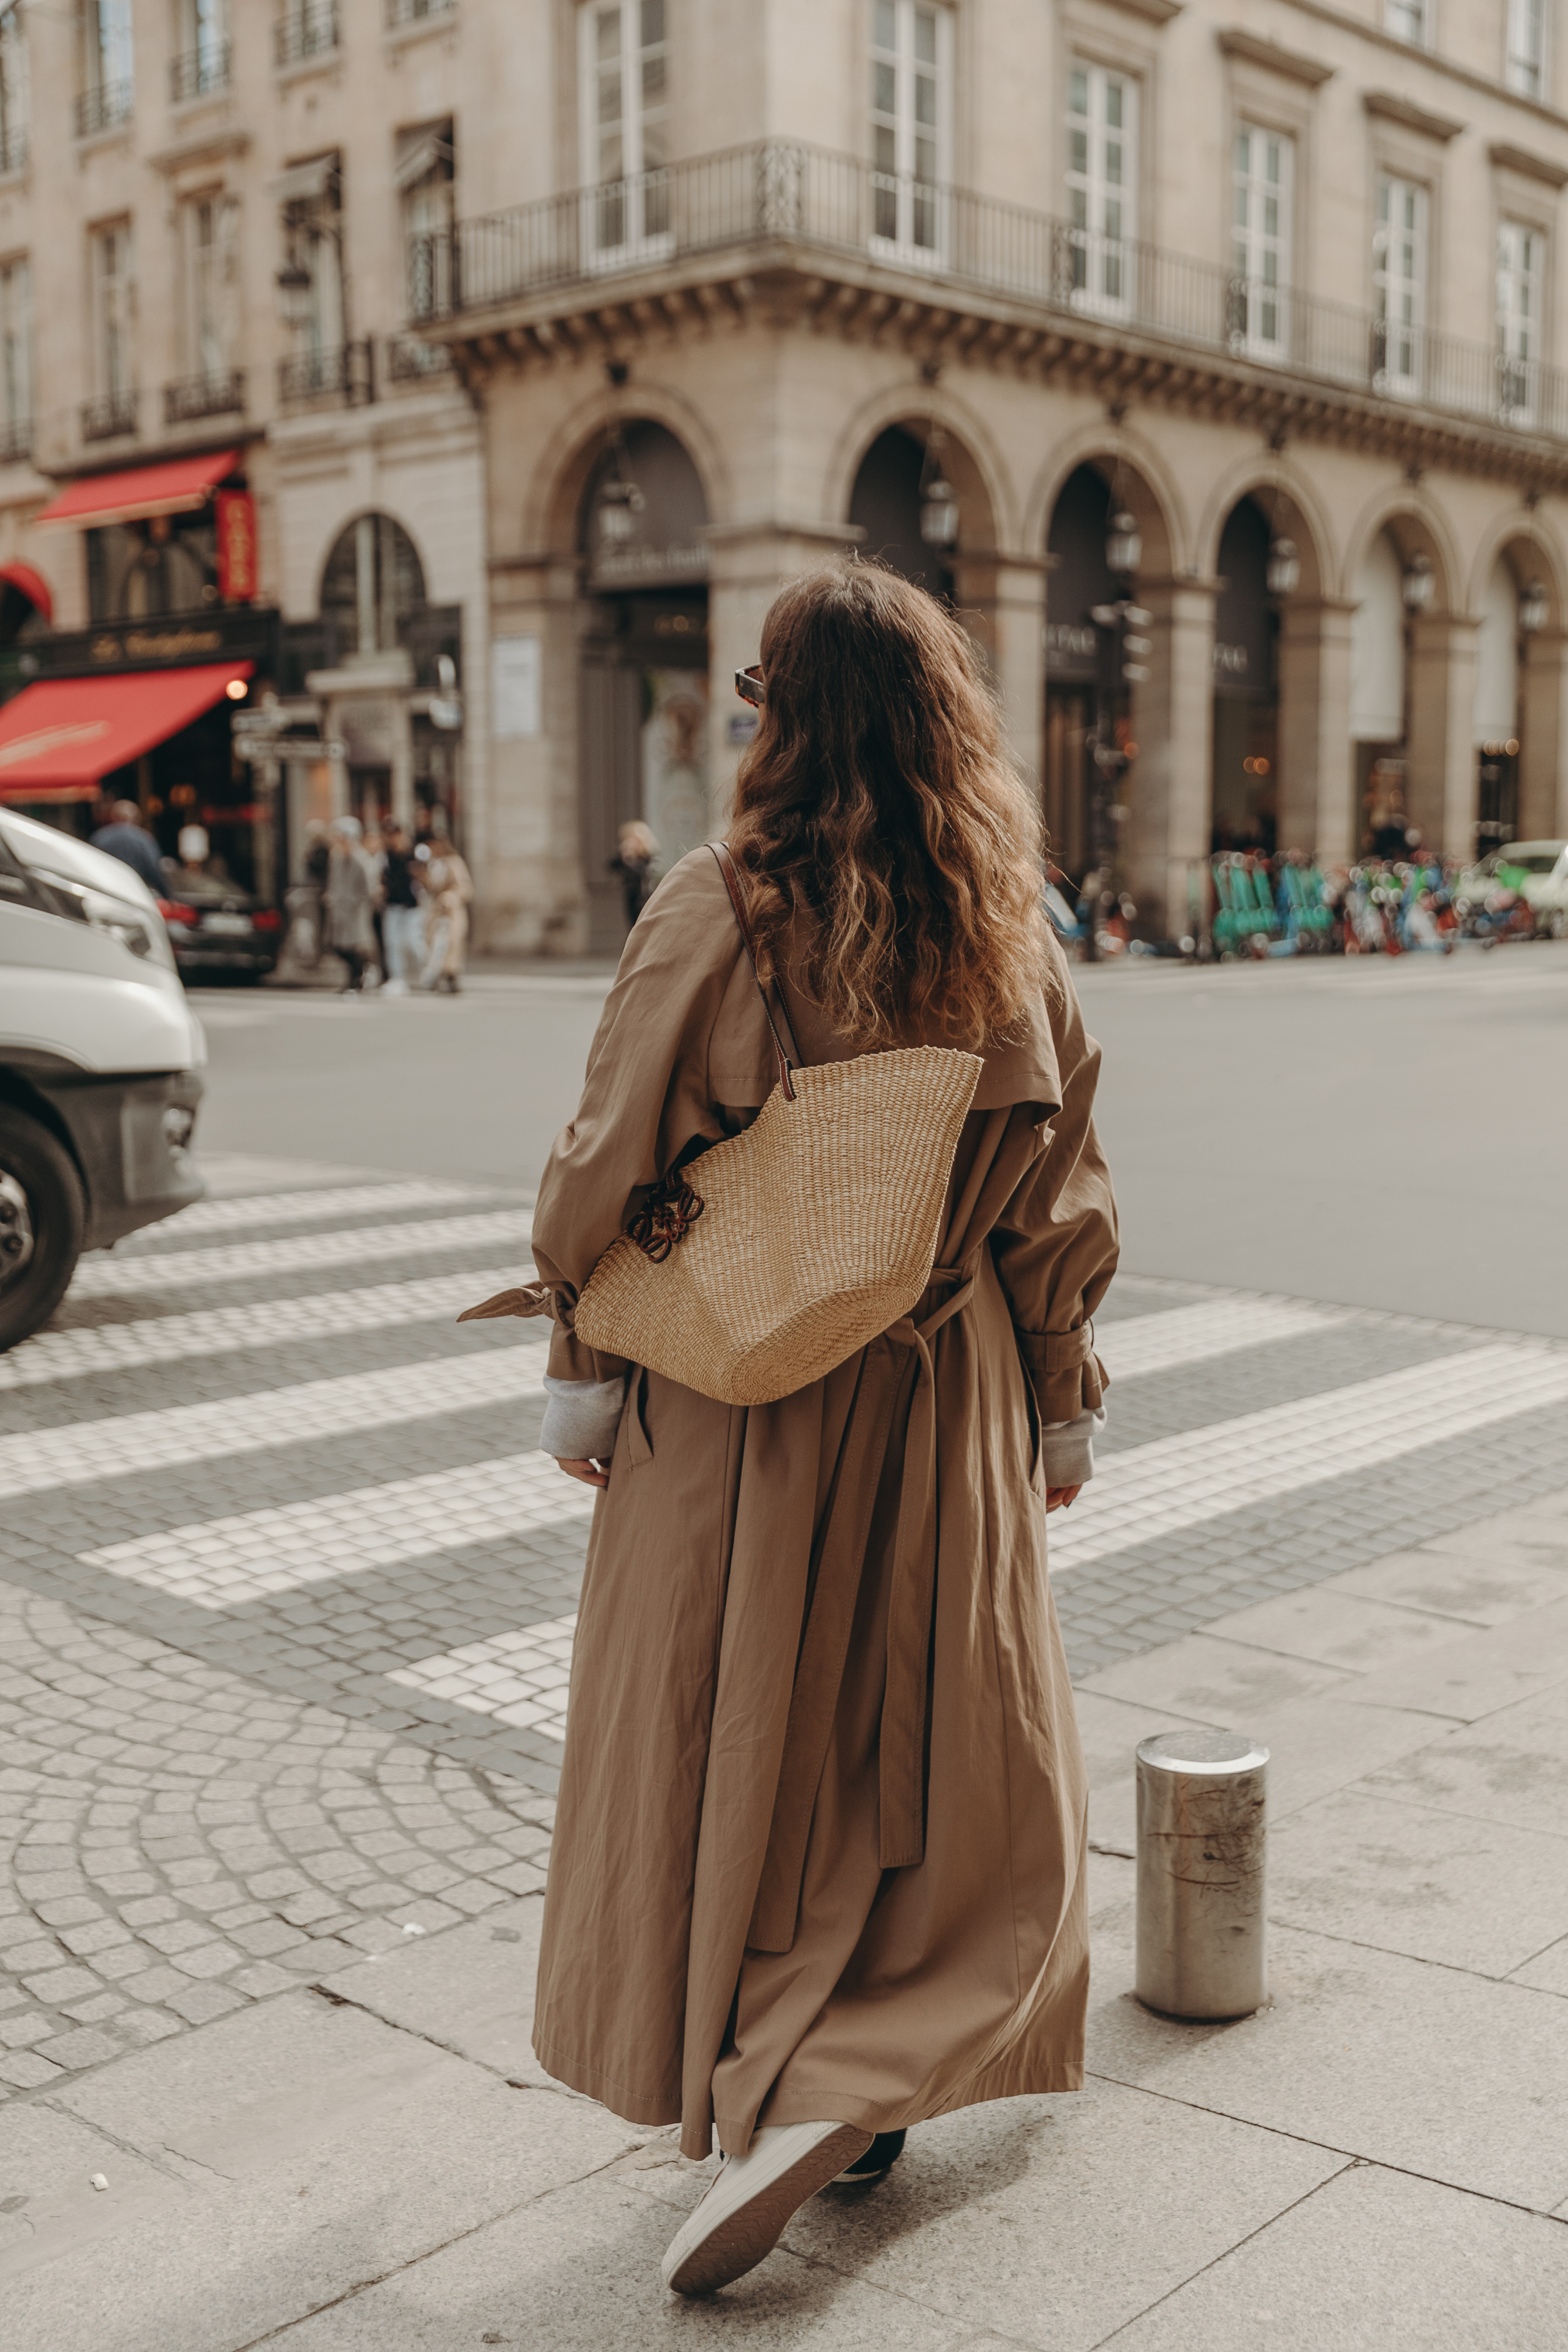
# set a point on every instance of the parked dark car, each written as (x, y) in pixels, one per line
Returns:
(219, 932)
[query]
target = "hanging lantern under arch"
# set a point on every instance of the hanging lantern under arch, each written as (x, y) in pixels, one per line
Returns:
(1282, 574)
(1123, 543)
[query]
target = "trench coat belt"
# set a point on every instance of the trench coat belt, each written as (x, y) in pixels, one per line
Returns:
(820, 1667)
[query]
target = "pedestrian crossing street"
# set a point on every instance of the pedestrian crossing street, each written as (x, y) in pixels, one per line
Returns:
(354, 1508)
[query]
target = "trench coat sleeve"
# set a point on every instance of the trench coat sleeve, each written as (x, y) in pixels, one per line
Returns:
(1054, 1245)
(647, 1097)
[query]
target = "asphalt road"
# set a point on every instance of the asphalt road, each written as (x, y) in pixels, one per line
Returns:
(1380, 1133)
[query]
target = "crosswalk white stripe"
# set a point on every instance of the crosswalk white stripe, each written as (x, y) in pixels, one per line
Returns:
(36, 1461)
(521, 1678)
(223, 1563)
(1177, 1483)
(237, 1212)
(210, 1330)
(117, 1277)
(1140, 1344)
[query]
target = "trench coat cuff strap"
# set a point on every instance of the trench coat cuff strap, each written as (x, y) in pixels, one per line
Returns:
(581, 1419)
(1066, 1376)
(572, 1359)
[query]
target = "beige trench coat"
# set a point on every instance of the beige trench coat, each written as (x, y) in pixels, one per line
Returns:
(820, 1841)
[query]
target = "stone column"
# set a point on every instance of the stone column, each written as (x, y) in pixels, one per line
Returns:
(1543, 736)
(1440, 758)
(749, 563)
(1316, 756)
(530, 898)
(1169, 791)
(1006, 596)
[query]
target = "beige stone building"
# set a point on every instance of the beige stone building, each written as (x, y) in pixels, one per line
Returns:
(205, 211)
(551, 335)
(1252, 270)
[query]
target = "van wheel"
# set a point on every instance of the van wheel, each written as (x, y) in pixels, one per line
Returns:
(42, 1217)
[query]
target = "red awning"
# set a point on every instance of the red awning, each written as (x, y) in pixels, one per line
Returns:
(33, 585)
(178, 488)
(69, 732)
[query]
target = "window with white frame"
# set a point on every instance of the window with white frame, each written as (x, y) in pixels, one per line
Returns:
(1263, 177)
(1408, 20)
(113, 312)
(623, 78)
(108, 59)
(1101, 179)
(424, 174)
(911, 86)
(201, 62)
(1399, 280)
(210, 225)
(1520, 253)
(13, 88)
(15, 353)
(1524, 67)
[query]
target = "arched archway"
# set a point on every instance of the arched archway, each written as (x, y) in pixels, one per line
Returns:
(373, 584)
(896, 503)
(644, 664)
(1245, 808)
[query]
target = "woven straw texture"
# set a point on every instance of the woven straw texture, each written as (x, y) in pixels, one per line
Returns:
(818, 1229)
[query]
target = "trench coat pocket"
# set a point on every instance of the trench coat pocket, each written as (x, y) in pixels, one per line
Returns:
(639, 1445)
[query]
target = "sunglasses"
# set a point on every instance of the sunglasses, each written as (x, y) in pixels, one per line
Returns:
(749, 685)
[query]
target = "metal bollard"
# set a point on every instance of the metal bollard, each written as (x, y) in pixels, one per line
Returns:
(1201, 1842)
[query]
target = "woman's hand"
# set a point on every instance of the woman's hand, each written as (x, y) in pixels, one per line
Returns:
(1057, 1497)
(597, 1474)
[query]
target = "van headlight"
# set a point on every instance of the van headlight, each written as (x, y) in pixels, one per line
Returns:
(124, 923)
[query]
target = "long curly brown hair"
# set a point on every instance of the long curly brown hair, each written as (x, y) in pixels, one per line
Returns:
(876, 798)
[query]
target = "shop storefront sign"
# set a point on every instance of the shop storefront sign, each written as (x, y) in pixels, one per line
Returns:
(234, 512)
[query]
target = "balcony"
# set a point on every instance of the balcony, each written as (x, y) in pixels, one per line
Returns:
(406, 360)
(221, 393)
(306, 30)
(103, 109)
(950, 271)
(346, 373)
(199, 73)
(110, 416)
(16, 441)
(402, 12)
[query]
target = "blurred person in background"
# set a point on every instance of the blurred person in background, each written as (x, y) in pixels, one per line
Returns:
(635, 849)
(348, 902)
(197, 864)
(374, 848)
(403, 912)
(451, 890)
(125, 838)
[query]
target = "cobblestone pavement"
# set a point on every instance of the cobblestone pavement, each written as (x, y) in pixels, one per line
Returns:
(288, 1593)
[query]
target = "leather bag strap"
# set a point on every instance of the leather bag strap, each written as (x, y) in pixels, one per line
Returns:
(788, 1052)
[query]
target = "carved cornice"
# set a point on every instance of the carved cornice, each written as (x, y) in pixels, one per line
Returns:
(1529, 167)
(1387, 106)
(1234, 43)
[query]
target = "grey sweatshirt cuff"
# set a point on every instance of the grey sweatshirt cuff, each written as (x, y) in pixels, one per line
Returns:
(1067, 1449)
(581, 1419)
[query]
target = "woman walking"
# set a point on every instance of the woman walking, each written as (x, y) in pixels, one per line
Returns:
(818, 1871)
(348, 903)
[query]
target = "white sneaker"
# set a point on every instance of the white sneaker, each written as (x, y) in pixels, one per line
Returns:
(753, 2198)
(394, 988)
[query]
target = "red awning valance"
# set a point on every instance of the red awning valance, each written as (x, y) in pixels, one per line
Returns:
(33, 585)
(177, 488)
(69, 732)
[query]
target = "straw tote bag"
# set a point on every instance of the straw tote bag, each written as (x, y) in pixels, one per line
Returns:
(756, 1268)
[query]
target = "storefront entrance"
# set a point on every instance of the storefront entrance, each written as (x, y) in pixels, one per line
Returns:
(1245, 694)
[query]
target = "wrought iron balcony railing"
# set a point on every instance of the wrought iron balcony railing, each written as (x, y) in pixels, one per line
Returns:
(16, 440)
(416, 12)
(306, 29)
(219, 394)
(103, 109)
(781, 194)
(199, 73)
(109, 416)
(408, 361)
(345, 372)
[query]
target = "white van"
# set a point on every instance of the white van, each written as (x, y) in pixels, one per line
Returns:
(100, 1065)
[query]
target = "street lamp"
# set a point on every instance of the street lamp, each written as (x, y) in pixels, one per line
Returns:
(620, 503)
(1283, 572)
(1533, 608)
(939, 513)
(1418, 584)
(1123, 543)
(296, 292)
